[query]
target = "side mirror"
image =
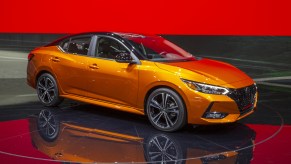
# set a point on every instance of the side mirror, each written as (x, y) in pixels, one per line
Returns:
(124, 58)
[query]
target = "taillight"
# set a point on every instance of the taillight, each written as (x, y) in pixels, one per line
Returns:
(30, 56)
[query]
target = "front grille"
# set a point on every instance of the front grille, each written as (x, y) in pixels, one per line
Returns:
(244, 97)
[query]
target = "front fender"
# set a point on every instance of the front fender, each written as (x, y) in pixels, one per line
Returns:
(158, 78)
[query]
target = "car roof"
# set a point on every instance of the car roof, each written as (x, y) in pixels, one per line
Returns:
(113, 34)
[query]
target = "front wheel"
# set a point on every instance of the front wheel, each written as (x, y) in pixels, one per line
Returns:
(166, 110)
(47, 90)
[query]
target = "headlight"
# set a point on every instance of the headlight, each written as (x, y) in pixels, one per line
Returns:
(206, 88)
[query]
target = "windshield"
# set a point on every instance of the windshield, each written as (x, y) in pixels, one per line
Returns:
(159, 49)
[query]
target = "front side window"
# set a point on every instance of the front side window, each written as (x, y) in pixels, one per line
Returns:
(65, 45)
(109, 48)
(78, 45)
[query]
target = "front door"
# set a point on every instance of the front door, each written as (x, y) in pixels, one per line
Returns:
(109, 80)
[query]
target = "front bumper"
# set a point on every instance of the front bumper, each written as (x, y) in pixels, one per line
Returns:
(201, 104)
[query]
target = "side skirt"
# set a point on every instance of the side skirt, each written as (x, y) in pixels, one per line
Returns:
(104, 104)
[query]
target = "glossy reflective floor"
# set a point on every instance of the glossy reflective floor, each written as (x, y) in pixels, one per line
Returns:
(80, 133)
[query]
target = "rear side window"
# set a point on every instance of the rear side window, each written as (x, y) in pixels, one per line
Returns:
(78, 45)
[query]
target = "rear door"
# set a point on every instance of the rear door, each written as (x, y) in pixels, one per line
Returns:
(70, 65)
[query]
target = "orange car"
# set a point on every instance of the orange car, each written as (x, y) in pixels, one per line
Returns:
(141, 74)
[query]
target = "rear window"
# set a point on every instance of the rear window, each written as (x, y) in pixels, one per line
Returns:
(78, 45)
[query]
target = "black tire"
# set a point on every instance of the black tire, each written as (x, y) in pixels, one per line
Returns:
(47, 90)
(165, 110)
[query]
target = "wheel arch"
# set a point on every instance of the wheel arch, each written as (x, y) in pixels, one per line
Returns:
(45, 70)
(40, 73)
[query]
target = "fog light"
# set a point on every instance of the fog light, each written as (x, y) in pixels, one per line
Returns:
(215, 115)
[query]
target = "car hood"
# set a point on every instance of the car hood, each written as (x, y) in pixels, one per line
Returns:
(208, 71)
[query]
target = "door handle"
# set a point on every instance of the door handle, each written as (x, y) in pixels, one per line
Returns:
(55, 59)
(93, 66)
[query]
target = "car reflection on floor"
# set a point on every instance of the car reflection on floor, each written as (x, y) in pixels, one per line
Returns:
(82, 136)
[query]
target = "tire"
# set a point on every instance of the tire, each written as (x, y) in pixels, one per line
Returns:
(169, 117)
(47, 90)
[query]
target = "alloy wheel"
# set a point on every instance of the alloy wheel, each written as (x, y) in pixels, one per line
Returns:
(46, 89)
(163, 110)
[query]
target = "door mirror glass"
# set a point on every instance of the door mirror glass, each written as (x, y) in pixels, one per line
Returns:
(124, 58)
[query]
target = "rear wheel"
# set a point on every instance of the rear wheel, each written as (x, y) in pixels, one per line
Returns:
(47, 90)
(166, 110)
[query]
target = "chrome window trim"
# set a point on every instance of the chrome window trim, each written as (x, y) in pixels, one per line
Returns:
(93, 46)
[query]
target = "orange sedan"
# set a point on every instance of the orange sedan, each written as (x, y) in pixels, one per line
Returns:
(143, 74)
